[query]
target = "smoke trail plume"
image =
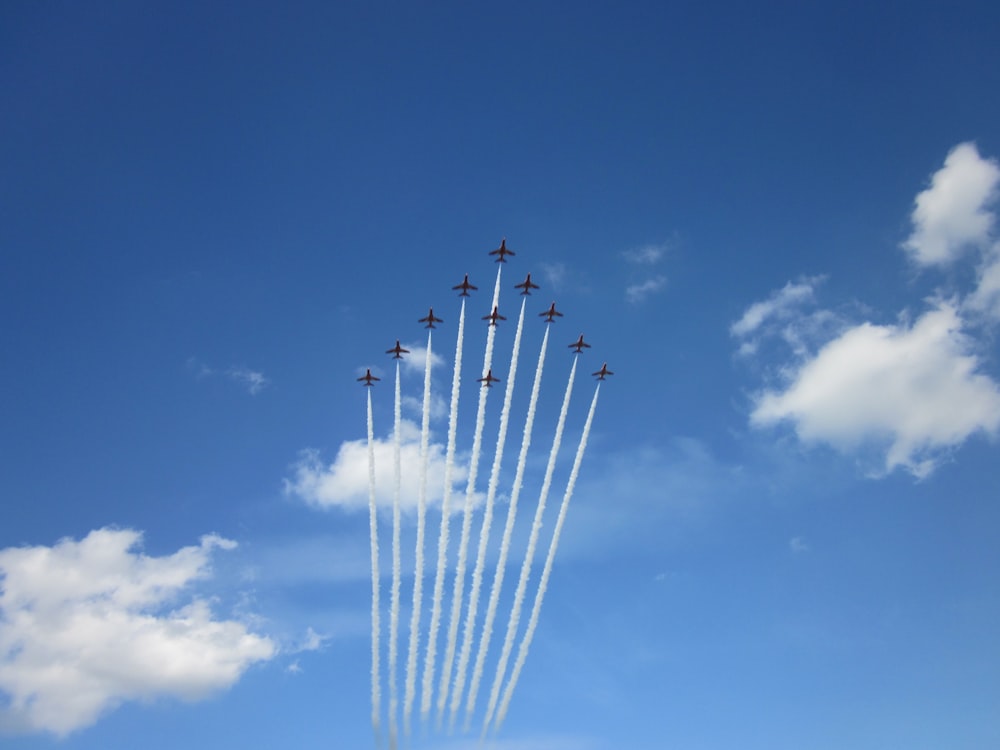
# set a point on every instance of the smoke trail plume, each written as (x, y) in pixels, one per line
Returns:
(491, 610)
(470, 490)
(522, 651)
(396, 574)
(418, 573)
(373, 525)
(449, 466)
(532, 541)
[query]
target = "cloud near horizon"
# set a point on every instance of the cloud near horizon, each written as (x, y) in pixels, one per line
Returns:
(88, 625)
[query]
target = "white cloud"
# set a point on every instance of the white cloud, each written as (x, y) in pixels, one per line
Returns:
(345, 481)
(416, 360)
(951, 215)
(638, 292)
(798, 545)
(914, 391)
(253, 381)
(645, 256)
(781, 305)
(85, 627)
(985, 299)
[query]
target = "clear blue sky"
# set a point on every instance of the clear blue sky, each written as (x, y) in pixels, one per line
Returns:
(776, 222)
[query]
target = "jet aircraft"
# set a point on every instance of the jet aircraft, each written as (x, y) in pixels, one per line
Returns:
(493, 317)
(397, 351)
(489, 380)
(551, 314)
(579, 345)
(502, 251)
(603, 372)
(465, 286)
(368, 377)
(527, 286)
(430, 320)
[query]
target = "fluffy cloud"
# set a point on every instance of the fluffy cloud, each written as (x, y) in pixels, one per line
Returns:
(345, 481)
(86, 625)
(952, 214)
(914, 390)
(780, 305)
(253, 381)
(636, 293)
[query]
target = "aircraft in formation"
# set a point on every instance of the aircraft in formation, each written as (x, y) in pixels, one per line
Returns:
(493, 317)
(551, 314)
(397, 351)
(430, 320)
(526, 285)
(465, 286)
(368, 377)
(603, 372)
(489, 380)
(501, 251)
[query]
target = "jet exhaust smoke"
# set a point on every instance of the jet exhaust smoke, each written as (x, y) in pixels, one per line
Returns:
(373, 527)
(396, 572)
(449, 466)
(470, 491)
(522, 651)
(536, 526)
(491, 610)
(418, 573)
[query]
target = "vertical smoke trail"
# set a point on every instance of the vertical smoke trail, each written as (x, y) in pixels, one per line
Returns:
(533, 540)
(394, 615)
(418, 573)
(522, 651)
(373, 519)
(449, 465)
(491, 611)
(470, 491)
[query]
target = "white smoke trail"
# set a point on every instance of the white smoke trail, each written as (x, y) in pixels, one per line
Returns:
(373, 525)
(533, 540)
(449, 466)
(396, 575)
(418, 573)
(522, 651)
(491, 610)
(470, 491)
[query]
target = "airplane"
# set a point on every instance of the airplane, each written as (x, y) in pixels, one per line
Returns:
(493, 317)
(502, 251)
(430, 320)
(397, 351)
(489, 380)
(551, 313)
(465, 286)
(368, 377)
(579, 344)
(527, 286)
(603, 372)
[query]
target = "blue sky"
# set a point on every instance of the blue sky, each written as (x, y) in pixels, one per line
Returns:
(777, 224)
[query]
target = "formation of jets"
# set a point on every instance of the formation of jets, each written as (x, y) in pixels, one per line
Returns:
(368, 377)
(501, 251)
(525, 286)
(397, 351)
(489, 380)
(430, 320)
(603, 372)
(551, 314)
(493, 317)
(465, 286)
